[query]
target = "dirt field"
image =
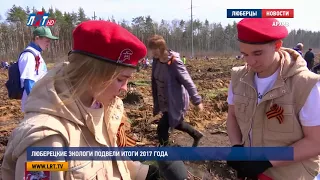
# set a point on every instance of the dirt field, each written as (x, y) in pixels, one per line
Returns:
(212, 79)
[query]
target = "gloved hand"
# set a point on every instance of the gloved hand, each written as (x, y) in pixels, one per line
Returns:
(252, 169)
(173, 170)
(248, 169)
(153, 173)
(234, 164)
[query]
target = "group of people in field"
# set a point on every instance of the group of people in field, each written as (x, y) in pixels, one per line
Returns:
(272, 100)
(309, 57)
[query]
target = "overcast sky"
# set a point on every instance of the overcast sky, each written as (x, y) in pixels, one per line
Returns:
(306, 16)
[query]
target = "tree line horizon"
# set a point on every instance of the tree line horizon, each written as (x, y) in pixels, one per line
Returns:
(209, 38)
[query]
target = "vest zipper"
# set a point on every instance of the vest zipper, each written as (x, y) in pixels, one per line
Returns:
(255, 107)
(254, 110)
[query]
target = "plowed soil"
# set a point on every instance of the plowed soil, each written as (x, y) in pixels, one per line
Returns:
(211, 77)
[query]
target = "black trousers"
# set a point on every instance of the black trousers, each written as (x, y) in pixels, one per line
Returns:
(310, 64)
(163, 128)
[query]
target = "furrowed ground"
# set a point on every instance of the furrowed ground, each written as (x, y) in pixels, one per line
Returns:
(211, 77)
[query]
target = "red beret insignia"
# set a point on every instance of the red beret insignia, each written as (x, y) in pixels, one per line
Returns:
(124, 55)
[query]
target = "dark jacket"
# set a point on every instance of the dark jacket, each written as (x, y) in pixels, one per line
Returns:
(309, 56)
(180, 88)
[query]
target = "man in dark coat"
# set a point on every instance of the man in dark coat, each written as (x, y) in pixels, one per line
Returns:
(309, 57)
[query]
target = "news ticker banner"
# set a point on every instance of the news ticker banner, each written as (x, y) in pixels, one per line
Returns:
(158, 153)
(260, 13)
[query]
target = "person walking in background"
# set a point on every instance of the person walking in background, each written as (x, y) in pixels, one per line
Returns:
(151, 61)
(147, 63)
(32, 66)
(184, 59)
(171, 87)
(309, 57)
(144, 63)
(299, 48)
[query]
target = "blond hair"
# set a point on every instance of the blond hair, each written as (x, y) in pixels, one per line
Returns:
(83, 72)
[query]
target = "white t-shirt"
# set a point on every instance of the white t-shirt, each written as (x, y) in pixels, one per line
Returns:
(27, 64)
(309, 114)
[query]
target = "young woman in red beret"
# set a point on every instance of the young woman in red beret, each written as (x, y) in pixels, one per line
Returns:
(77, 105)
(272, 102)
(171, 88)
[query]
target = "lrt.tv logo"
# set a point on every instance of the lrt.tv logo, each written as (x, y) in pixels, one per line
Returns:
(40, 19)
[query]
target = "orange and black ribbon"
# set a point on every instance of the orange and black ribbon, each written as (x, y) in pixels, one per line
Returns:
(123, 140)
(277, 112)
(171, 60)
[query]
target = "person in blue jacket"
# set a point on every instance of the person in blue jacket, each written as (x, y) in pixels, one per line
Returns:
(299, 48)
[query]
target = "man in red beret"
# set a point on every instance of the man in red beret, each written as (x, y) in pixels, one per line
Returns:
(272, 100)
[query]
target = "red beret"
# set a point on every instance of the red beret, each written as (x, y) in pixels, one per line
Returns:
(260, 30)
(109, 42)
